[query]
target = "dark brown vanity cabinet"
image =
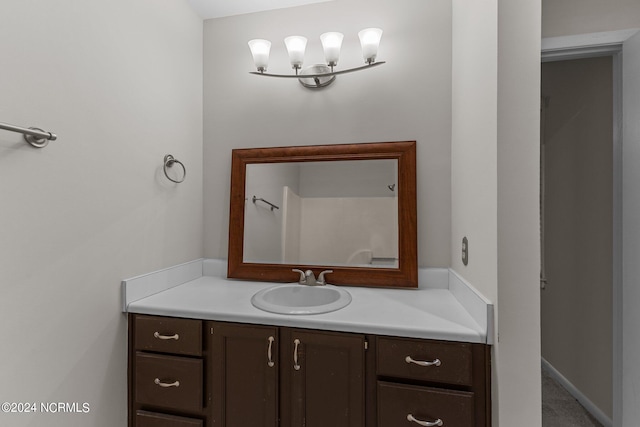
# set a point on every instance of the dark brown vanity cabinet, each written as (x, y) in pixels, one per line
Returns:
(167, 360)
(193, 373)
(432, 383)
(268, 376)
(187, 373)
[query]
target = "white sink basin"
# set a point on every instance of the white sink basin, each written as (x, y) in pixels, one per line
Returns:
(294, 298)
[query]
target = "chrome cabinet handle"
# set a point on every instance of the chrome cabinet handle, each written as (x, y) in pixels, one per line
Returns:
(269, 359)
(165, 385)
(435, 423)
(435, 362)
(166, 337)
(295, 355)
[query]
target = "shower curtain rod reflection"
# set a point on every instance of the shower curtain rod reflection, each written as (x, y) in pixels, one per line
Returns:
(256, 199)
(34, 136)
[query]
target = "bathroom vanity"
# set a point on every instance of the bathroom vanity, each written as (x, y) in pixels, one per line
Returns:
(202, 355)
(216, 343)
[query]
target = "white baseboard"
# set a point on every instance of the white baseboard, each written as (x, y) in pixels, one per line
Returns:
(577, 394)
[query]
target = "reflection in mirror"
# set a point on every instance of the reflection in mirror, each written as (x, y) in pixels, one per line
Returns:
(350, 208)
(339, 213)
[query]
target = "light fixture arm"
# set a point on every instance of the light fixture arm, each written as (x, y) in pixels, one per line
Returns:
(306, 76)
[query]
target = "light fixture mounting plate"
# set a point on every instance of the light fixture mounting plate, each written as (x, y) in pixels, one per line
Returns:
(318, 81)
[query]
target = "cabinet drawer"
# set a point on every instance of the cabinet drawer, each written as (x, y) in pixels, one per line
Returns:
(168, 335)
(396, 403)
(449, 363)
(153, 419)
(168, 381)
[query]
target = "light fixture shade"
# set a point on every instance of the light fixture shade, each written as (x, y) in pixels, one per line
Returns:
(370, 40)
(260, 50)
(331, 44)
(296, 46)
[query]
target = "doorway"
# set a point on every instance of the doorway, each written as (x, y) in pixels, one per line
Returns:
(577, 228)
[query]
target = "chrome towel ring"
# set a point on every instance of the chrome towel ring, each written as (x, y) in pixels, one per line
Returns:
(169, 161)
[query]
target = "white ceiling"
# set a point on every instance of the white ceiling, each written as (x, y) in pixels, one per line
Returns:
(218, 8)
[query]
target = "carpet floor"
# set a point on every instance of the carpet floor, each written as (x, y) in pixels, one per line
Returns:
(560, 409)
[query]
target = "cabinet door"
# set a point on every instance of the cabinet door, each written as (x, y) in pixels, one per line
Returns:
(244, 375)
(322, 379)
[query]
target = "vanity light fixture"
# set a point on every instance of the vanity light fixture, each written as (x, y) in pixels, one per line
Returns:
(319, 75)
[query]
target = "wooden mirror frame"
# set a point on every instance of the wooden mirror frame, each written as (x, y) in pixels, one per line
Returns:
(405, 276)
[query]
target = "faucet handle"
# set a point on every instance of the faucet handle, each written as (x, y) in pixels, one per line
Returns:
(303, 278)
(321, 280)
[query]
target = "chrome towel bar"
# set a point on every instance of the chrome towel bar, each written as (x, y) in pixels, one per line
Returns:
(256, 199)
(34, 136)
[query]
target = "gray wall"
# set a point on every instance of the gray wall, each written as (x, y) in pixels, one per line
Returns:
(576, 305)
(495, 169)
(120, 83)
(409, 98)
(517, 353)
(263, 225)
(357, 178)
(566, 17)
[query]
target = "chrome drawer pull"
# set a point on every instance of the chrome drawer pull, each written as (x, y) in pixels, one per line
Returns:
(295, 355)
(270, 360)
(165, 385)
(435, 423)
(166, 337)
(436, 362)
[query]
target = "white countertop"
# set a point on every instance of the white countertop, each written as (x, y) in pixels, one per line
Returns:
(427, 312)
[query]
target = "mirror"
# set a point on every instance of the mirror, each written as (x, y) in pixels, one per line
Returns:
(348, 208)
(339, 213)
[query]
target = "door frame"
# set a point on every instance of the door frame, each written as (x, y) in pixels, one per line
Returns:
(590, 46)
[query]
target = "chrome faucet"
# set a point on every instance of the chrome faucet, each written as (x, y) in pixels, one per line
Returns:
(309, 279)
